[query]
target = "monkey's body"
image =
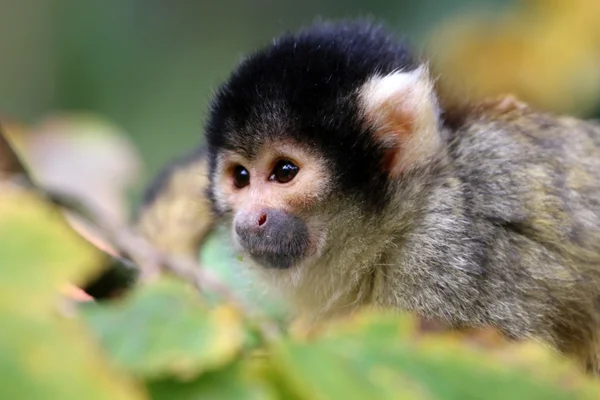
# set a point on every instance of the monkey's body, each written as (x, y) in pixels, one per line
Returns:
(494, 221)
(509, 233)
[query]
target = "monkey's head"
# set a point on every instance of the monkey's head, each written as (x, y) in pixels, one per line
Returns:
(312, 138)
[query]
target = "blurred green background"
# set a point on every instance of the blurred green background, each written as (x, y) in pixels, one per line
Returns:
(150, 65)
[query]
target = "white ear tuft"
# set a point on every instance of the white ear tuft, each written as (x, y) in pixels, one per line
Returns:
(401, 108)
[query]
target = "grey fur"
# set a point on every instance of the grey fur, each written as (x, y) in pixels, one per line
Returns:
(506, 232)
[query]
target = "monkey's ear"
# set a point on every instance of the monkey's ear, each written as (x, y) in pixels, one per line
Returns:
(402, 110)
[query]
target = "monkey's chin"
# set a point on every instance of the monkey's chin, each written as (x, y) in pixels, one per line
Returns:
(275, 260)
(267, 256)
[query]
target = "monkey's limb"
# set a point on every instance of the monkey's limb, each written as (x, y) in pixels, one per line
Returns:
(175, 214)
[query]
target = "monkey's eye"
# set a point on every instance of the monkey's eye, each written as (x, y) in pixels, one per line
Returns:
(241, 177)
(284, 171)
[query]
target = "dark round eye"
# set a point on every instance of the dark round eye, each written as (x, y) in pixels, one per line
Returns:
(241, 177)
(284, 171)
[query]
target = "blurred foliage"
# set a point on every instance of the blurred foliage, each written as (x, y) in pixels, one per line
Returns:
(45, 355)
(192, 338)
(80, 154)
(547, 52)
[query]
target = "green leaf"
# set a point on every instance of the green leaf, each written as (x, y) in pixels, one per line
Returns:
(44, 355)
(45, 358)
(217, 256)
(230, 383)
(378, 357)
(163, 329)
(39, 251)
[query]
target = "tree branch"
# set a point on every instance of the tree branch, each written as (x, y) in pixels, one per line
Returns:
(136, 252)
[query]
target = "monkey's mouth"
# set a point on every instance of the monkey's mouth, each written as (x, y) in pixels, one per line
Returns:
(276, 254)
(275, 260)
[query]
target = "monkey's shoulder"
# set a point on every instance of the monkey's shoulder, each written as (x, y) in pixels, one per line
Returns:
(515, 129)
(536, 172)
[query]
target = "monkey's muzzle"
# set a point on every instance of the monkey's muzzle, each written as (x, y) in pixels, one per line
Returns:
(273, 238)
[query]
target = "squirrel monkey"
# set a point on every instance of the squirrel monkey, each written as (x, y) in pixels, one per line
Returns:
(344, 182)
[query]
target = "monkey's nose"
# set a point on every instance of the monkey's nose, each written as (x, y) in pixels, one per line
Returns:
(251, 222)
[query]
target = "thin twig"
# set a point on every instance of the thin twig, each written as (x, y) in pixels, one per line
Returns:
(151, 260)
(10, 163)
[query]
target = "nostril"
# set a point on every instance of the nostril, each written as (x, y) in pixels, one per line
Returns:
(262, 219)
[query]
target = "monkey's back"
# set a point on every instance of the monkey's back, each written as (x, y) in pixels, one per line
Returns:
(540, 174)
(535, 178)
